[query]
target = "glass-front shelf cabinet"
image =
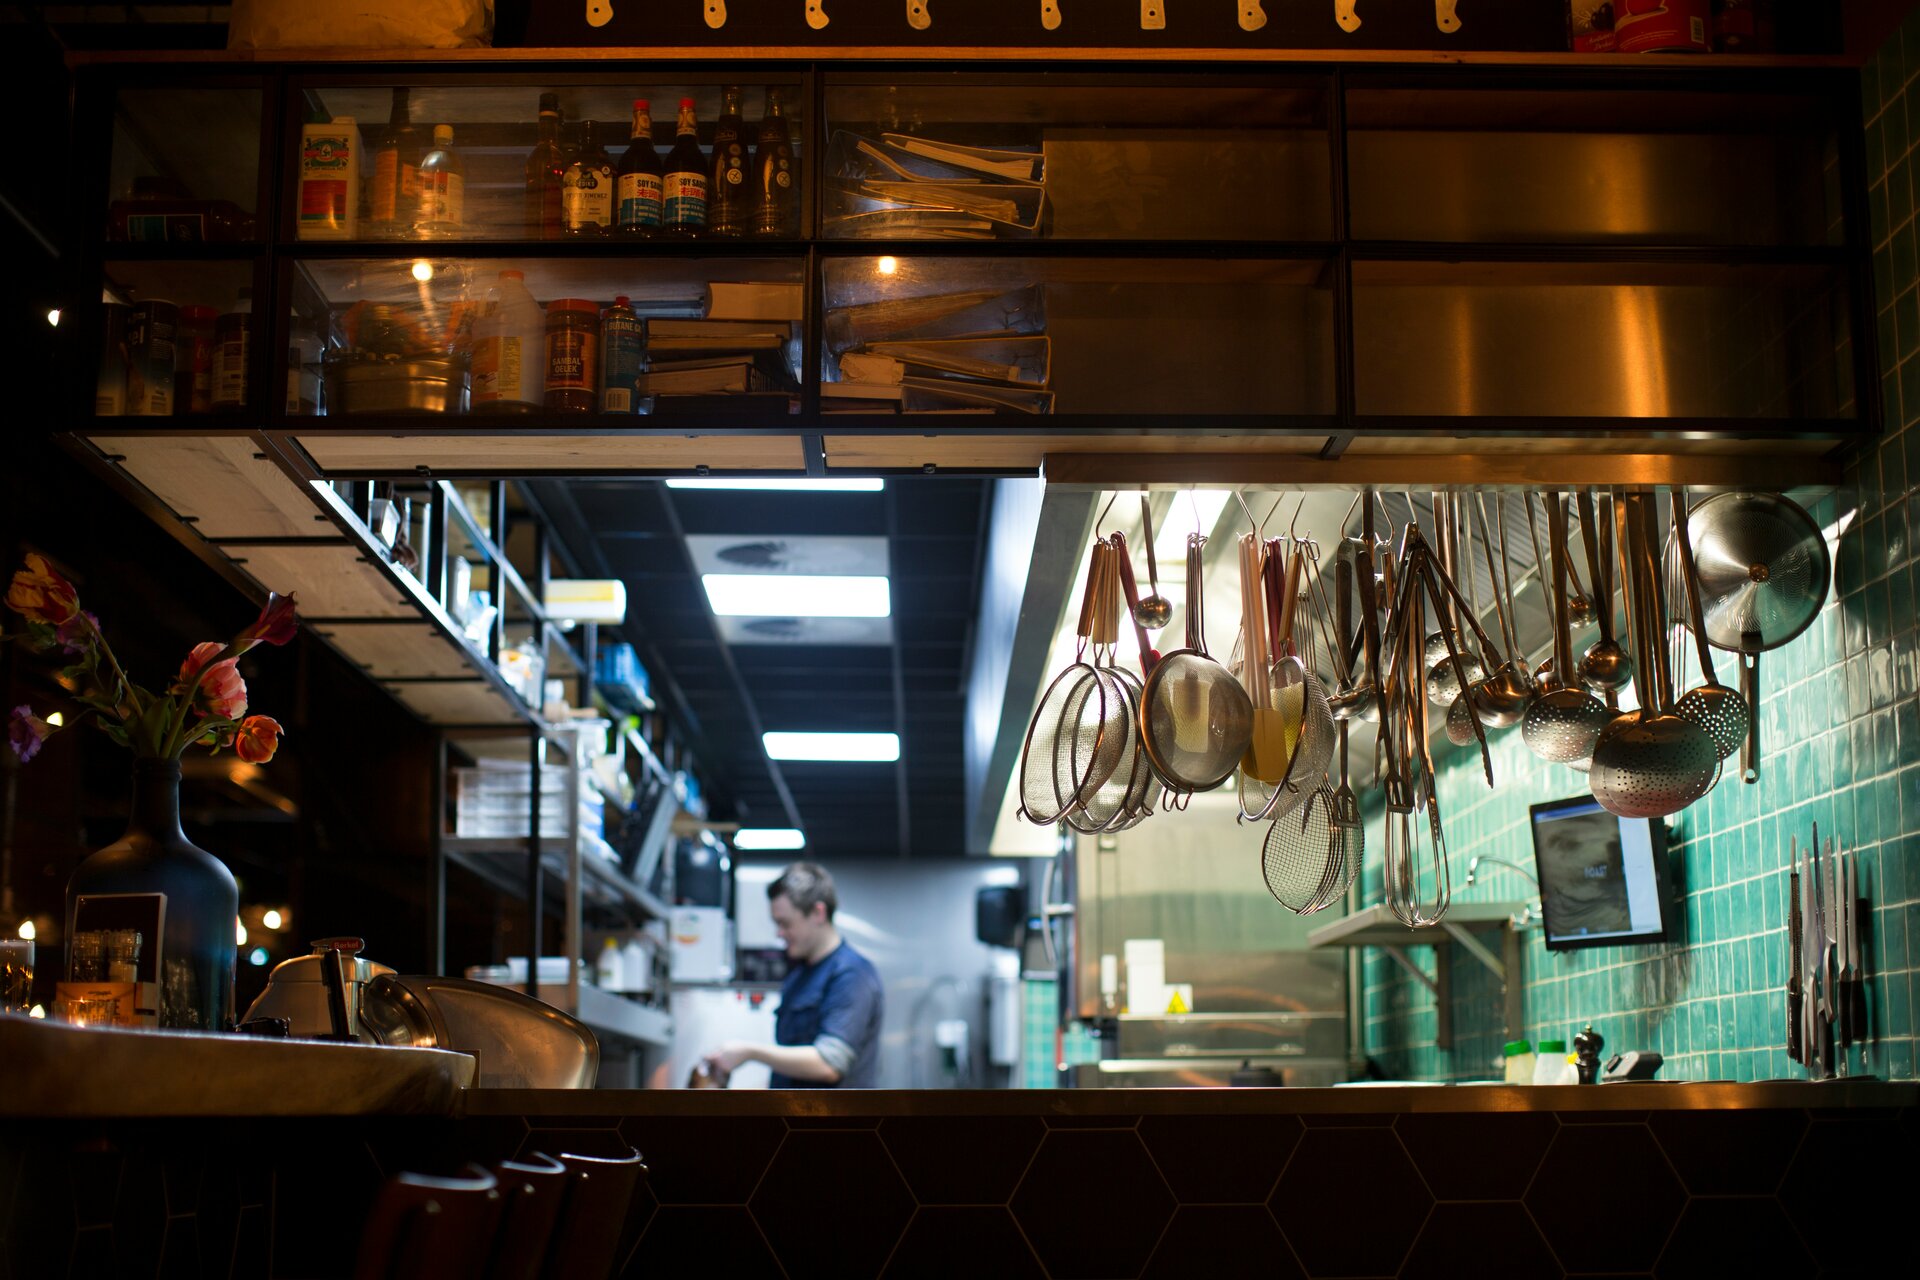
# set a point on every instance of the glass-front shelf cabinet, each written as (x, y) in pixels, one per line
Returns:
(1162, 249)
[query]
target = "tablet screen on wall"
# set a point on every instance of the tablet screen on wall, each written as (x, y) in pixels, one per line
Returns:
(1603, 879)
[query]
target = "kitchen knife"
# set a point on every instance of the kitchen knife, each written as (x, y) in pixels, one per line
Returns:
(1857, 1006)
(1795, 1050)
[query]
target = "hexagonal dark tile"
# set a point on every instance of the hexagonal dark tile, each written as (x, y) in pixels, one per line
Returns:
(704, 1159)
(1222, 1240)
(1729, 1153)
(1350, 1202)
(1477, 1155)
(180, 1256)
(833, 1122)
(702, 1240)
(962, 1244)
(140, 1215)
(1748, 1236)
(93, 1178)
(1489, 1241)
(1092, 1203)
(93, 1251)
(1347, 1119)
(962, 1159)
(253, 1246)
(838, 1176)
(1846, 1194)
(1605, 1197)
(1220, 1159)
(184, 1169)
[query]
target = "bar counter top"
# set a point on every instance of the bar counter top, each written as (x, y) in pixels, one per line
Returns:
(1083, 1105)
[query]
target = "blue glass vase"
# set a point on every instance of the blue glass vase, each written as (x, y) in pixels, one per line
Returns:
(194, 977)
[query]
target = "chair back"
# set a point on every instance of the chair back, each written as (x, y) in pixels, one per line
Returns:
(430, 1228)
(532, 1191)
(594, 1219)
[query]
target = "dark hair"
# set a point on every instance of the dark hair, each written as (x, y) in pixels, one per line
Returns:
(803, 884)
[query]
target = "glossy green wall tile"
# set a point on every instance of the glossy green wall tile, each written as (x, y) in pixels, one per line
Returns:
(1841, 747)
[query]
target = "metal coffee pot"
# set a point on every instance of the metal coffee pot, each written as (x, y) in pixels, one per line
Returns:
(319, 995)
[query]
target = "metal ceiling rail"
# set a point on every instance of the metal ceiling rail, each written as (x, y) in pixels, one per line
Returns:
(1444, 471)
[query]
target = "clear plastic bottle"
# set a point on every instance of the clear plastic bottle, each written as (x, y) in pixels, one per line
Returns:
(509, 351)
(607, 969)
(1551, 1063)
(1519, 1055)
(442, 188)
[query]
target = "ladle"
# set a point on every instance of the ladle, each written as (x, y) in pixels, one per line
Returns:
(1502, 698)
(1606, 667)
(1155, 611)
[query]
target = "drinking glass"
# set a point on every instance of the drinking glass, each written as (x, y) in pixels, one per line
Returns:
(16, 975)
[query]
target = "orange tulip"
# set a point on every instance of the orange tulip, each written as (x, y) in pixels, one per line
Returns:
(257, 738)
(39, 594)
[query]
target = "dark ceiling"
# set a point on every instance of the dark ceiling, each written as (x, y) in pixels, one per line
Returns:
(728, 694)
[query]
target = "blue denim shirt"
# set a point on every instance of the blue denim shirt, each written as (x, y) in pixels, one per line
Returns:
(834, 1004)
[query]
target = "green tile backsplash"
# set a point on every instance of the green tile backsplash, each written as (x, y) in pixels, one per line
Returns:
(1841, 746)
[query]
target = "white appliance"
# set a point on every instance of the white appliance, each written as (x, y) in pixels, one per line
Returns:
(704, 1018)
(702, 940)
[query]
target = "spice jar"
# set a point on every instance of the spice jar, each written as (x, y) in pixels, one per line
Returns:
(573, 334)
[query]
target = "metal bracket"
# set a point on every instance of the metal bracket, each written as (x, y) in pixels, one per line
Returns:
(1475, 948)
(1440, 984)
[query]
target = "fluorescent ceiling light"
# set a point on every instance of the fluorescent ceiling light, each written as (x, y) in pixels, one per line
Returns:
(753, 838)
(881, 748)
(774, 595)
(1190, 509)
(793, 486)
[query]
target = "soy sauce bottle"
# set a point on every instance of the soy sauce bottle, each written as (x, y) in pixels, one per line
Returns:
(683, 185)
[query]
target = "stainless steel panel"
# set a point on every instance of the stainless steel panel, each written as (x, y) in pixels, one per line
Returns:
(1195, 884)
(1201, 1037)
(1668, 342)
(1150, 1074)
(1686, 188)
(1177, 184)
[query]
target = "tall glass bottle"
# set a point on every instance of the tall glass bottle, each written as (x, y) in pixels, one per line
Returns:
(191, 894)
(777, 176)
(586, 190)
(396, 173)
(545, 170)
(637, 209)
(730, 202)
(683, 183)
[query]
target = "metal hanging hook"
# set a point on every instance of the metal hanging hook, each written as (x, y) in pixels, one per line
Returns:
(1102, 519)
(1248, 512)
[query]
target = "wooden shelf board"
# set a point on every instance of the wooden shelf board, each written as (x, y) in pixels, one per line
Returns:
(466, 702)
(534, 454)
(219, 484)
(398, 650)
(334, 580)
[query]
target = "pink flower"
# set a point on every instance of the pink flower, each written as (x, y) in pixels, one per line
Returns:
(275, 625)
(257, 738)
(39, 594)
(221, 693)
(26, 732)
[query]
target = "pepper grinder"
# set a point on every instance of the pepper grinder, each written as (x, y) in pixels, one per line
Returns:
(1586, 1049)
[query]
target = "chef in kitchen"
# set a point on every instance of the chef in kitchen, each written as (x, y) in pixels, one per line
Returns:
(827, 1029)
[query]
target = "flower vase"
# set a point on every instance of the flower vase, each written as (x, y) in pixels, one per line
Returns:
(187, 899)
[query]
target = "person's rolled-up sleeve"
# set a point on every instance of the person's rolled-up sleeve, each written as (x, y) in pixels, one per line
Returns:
(848, 1010)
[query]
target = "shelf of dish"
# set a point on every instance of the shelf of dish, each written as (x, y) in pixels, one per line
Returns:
(606, 1013)
(502, 862)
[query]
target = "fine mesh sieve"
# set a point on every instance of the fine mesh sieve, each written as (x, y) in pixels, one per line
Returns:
(1044, 792)
(1195, 718)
